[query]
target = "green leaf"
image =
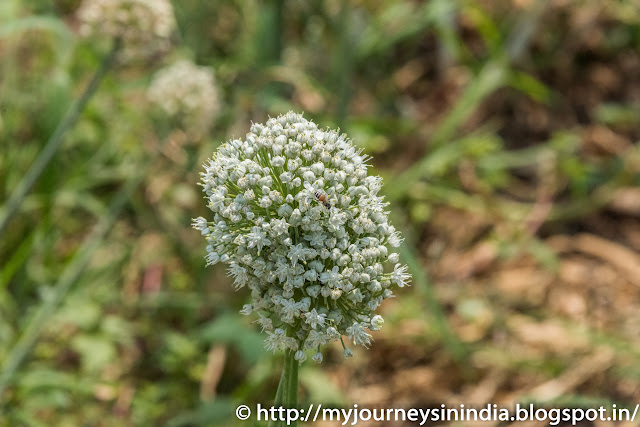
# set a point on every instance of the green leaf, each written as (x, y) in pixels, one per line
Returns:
(209, 413)
(41, 378)
(319, 387)
(529, 85)
(228, 329)
(95, 351)
(80, 312)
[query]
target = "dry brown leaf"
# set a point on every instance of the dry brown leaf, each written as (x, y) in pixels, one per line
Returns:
(418, 381)
(485, 391)
(371, 395)
(586, 368)
(624, 259)
(548, 335)
(213, 372)
(606, 140)
(524, 282)
(477, 260)
(626, 201)
(618, 255)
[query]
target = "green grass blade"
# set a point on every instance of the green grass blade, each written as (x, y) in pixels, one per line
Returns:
(56, 140)
(70, 275)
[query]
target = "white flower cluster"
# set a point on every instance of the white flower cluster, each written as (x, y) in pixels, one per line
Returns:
(144, 26)
(298, 220)
(186, 93)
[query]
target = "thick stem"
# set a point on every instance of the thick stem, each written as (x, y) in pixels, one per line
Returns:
(281, 386)
(292, 385)
(287, 393)
(56, 140)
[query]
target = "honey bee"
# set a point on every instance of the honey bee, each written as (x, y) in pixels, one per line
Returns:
(322, 198)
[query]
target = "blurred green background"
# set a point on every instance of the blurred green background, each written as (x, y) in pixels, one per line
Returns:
(506, 132)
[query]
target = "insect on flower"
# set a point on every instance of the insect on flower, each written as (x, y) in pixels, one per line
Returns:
(322, 198)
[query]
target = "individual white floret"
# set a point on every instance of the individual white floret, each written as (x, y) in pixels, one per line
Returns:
(314, 319)
(357, 333)
(376, 322)
(276, 340)
(200, 224)
(212, 258)
(400, 276)
(331, 277)
(296, 253)
(300, 356)
(247, 309)
(316, 339)
(265, 322)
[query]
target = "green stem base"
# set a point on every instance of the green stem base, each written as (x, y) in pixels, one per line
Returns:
(287, 393)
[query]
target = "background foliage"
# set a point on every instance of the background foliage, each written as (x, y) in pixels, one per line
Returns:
(507, 135)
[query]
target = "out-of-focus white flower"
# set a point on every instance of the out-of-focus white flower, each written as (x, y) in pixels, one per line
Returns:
(187, 94)
(144, 27)
(300, 223)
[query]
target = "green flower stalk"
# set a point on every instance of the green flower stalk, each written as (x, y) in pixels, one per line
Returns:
(298, 221)
(55, 141)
